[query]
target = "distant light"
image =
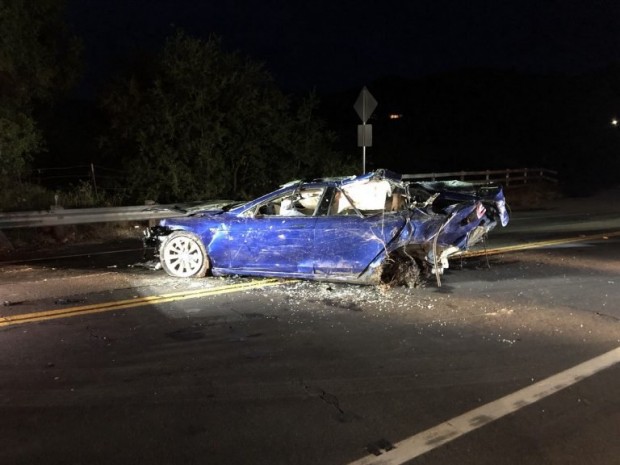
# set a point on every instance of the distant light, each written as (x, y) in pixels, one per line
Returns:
(395, 115)
(614, 122)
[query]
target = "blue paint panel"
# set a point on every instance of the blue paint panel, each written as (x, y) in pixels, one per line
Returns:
(282, 244)
(347, 244)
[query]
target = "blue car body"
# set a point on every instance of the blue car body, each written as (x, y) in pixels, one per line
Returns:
(363, 229)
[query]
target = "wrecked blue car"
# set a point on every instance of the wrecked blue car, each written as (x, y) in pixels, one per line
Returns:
(366, 229)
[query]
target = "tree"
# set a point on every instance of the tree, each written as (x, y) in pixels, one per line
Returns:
(313, 145)
(201, 123)
(38, 61)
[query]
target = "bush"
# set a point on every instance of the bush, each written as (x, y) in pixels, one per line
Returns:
(30, 197)
(24, 196)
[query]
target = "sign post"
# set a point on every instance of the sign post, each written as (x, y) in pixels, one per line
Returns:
(364, 106)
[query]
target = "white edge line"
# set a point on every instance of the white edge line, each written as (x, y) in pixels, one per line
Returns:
(443, 433)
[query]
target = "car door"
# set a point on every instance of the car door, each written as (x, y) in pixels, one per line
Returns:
(345, 242)
(274, 244)
(270, 241)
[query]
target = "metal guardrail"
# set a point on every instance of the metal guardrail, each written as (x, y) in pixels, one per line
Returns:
(62, 217)
(69, 216)
(506, 177)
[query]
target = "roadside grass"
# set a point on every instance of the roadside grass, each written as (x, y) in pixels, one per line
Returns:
(33, 197)
(532, 196)
(17, 196)
(17, 242)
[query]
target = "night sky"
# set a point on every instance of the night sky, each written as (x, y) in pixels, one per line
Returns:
(334, 45)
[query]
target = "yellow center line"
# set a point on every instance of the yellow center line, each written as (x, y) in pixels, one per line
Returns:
(538, 244)
(131, 303)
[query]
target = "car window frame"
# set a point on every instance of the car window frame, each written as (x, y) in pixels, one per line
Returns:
(294, 193)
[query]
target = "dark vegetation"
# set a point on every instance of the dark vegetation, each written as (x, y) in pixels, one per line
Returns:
(194, 121)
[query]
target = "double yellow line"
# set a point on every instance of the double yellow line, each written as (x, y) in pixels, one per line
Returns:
(539, 244)
(132, 303)
(194, 294)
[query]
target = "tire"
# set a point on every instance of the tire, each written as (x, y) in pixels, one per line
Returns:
(183, 255)
(401, 270)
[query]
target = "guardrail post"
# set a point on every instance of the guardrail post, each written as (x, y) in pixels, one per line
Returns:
(92, 171)
(525, 176)
(150, 203)
(462, 175)
(59, 232)
(508, 177)
(5, 243)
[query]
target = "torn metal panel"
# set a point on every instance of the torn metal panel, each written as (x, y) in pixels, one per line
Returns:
(364, 229)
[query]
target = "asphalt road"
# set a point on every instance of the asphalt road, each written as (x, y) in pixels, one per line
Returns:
(513, 360)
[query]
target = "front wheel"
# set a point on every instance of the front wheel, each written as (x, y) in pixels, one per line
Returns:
(184, 256)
